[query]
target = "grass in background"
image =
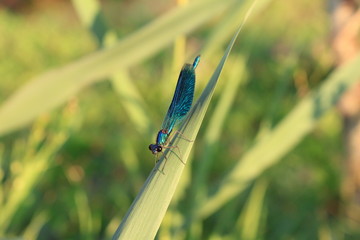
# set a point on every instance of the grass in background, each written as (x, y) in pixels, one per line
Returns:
(91, 178)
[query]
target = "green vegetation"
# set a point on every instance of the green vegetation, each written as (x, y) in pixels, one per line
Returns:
(83, 92)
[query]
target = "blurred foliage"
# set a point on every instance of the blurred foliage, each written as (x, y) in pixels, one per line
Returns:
(73, 173)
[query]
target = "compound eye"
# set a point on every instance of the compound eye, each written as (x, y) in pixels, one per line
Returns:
(159, 149)
(150, 147)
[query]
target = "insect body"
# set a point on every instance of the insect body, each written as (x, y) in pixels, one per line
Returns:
(180, 105)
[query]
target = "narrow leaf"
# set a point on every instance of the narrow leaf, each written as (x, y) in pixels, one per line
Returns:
(275, 144)
(143, 219)
(53, 88)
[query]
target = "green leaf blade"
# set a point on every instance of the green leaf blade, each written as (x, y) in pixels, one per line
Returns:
(146, 213)
(286, 135)
(55, 87)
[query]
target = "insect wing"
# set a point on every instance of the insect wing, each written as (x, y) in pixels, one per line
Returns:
(183, 97)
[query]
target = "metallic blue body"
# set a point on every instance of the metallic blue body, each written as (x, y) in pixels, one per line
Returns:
(162, 137)
(180, 104)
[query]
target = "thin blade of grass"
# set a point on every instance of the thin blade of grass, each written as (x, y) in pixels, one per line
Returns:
(198, 188)
(90, 15)
(276, 143)
(144, 217)
(249, 222)
(55, 87)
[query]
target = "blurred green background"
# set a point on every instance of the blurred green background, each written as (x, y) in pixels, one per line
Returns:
(72, 168)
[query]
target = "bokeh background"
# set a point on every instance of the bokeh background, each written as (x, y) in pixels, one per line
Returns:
(71, 168)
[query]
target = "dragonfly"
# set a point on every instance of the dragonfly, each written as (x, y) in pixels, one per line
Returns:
(179, 107)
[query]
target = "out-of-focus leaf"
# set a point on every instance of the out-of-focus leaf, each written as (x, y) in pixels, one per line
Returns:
(276, 143)
(143, 219)
(56, 86)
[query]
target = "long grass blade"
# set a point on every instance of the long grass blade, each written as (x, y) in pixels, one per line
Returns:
(276, 143)
(53, 88)
(250, 219)
(147, 211)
